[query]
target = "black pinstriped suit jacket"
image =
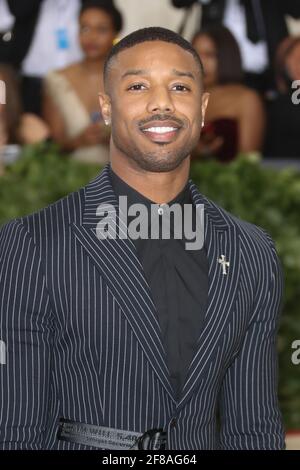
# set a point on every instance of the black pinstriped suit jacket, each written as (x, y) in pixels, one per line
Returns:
(83, 340)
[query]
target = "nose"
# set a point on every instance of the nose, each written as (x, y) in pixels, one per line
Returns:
(160, 101)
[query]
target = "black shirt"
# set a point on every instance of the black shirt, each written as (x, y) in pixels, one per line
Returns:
(178, 279)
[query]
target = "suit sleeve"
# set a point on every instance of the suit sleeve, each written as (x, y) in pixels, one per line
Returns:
(26, 338)
(249, 409)
(22, 10)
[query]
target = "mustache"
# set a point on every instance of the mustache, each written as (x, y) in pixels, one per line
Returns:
(161, 117)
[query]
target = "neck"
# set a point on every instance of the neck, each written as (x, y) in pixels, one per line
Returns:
(93, 65)
(159, 187)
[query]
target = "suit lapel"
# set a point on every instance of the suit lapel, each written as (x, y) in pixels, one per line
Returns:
(118, 262)
(221, 238)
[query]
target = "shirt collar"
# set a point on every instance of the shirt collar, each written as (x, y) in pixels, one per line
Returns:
(121, 188)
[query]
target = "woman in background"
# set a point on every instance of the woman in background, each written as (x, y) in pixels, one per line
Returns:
(235, 117)
(71, 106)
(282, 136)
(16, 127)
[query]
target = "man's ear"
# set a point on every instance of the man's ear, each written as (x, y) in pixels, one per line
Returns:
(105, 106)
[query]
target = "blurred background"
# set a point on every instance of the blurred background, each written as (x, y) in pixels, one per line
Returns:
(53, 139)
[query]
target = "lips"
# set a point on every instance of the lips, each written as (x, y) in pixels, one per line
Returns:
(161, 131)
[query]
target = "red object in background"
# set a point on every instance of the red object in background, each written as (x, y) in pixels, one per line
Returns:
(227, 129)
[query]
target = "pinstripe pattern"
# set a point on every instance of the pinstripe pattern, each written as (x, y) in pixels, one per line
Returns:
(84, 342)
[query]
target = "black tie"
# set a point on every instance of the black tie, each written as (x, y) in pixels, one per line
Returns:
(254, 19)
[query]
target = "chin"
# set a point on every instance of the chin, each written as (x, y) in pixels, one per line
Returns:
(93, 55)
(160, 163)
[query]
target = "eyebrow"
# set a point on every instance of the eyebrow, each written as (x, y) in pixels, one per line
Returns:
(134, 72)
(183, 74)
(178, 73)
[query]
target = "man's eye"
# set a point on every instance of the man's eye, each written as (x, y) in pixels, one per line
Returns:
(181, 88)
(136, 87)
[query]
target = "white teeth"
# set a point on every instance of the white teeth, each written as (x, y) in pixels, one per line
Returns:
(160, 130)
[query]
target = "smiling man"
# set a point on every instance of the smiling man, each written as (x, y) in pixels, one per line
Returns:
(118, 342)
(159, 104)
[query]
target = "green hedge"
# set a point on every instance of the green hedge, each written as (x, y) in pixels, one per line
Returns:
(266, 197)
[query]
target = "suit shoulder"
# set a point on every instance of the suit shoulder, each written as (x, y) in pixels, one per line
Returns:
(257, 249)
(60, 213)
(250, 232)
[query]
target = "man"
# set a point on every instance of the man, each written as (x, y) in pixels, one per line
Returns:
(122, 341)
(258, 26)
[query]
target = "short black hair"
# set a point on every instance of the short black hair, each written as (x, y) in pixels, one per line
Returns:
(228, 53)
(153, 33)
(109, 8)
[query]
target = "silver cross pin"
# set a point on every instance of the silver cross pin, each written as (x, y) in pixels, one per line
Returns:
(224, 263)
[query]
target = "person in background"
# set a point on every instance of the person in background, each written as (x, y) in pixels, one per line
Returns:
(71, 109)
(38, 36)
(258, 26)
(283, 109)
(17, 127)
(17, 25)
(235, 114)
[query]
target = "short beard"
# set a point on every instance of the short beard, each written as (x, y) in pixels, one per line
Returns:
(153, 162)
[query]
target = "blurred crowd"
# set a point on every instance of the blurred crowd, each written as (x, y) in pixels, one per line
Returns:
(52, 54)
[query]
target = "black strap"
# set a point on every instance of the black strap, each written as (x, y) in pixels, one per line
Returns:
(106, 438)
(153, 439)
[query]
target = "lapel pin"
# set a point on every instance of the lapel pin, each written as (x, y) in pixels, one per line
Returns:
(224, 263)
